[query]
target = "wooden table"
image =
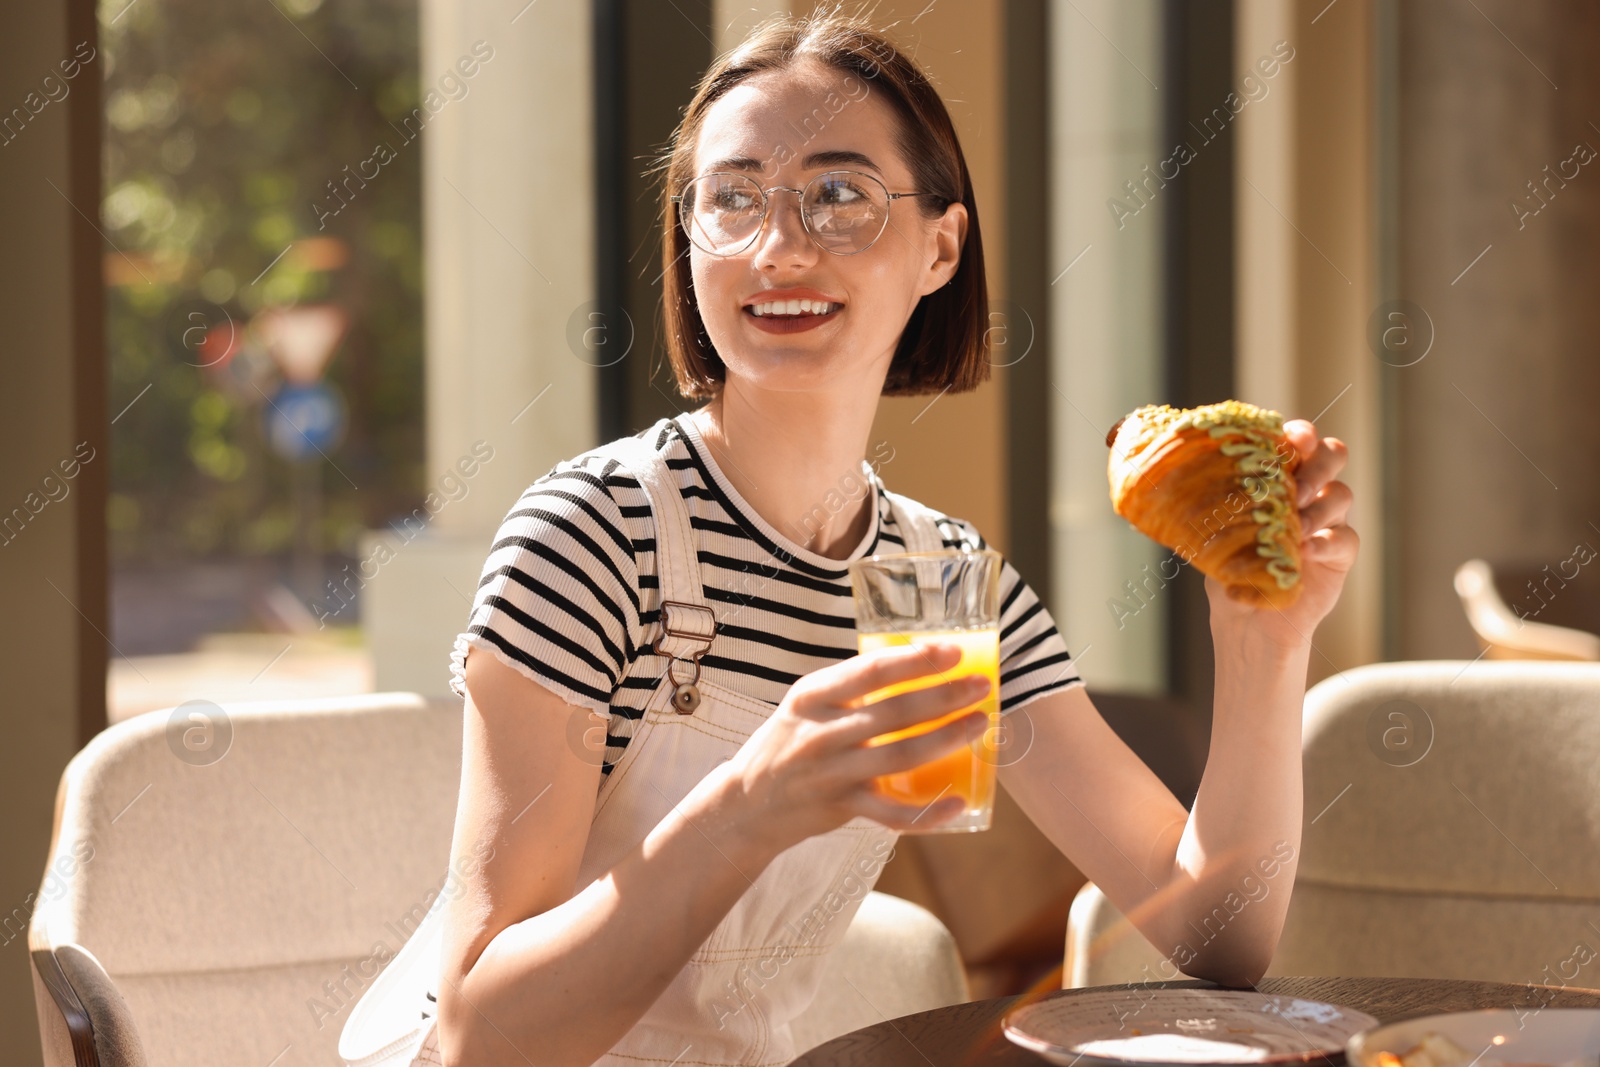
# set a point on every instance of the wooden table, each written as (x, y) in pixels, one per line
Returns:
(967, 1035)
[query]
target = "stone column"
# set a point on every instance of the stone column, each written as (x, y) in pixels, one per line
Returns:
(508, 179)
(1306, 259)
(1264, 203)
(1106, 233)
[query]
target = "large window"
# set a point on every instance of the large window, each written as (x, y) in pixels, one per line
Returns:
(262, 195)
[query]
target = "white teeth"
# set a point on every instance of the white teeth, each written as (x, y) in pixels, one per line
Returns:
(794, 307)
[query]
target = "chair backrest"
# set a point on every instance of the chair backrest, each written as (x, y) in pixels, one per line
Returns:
(241, 904)
(1451, 829)
(1452, 822)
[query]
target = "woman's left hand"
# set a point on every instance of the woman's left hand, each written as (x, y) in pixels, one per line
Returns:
(1327, 546)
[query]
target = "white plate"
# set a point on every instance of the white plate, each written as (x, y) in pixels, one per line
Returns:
(1144, 1028)
(1530, 1035)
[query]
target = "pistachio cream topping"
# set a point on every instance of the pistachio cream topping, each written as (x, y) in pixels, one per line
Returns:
(1253, 436)
(1162, 418)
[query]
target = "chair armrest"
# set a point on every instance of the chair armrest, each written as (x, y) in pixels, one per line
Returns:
(64, 1025)
(81, 1011)
(1104, 948)
(896, 958)
(1504, 634)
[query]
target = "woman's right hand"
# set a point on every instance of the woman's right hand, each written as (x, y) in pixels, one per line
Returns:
(531, 944)
(808, 768)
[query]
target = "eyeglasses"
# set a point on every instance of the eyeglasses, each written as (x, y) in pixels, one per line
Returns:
(843, 211)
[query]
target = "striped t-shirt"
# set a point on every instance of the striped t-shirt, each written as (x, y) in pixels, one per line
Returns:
(570, 587)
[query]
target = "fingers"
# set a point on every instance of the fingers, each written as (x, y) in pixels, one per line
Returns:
(908, 752)
(1303, 435)
(908, 709)
(1329, 509)
(1320, 462)
(844, 684)
(1336, 546)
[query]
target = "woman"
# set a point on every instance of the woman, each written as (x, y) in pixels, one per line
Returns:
(618, 896)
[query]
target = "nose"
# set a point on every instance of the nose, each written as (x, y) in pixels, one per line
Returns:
(784, 238)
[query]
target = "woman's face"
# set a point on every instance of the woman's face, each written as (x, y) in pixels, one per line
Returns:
(777, 120)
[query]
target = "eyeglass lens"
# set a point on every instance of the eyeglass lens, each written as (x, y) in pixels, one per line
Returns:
(843, 212)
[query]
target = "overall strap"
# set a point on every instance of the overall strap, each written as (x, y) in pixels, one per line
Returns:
(687, 621)
(916, 522)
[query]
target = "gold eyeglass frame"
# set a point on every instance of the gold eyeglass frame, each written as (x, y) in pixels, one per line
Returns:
(805, 218)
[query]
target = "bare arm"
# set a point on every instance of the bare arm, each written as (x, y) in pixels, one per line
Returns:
(1208, 887)
(1165, 868)
(528, 951)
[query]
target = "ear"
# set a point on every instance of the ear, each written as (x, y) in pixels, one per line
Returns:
(948, 237)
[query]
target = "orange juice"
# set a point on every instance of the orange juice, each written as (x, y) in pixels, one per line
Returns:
(965, 772)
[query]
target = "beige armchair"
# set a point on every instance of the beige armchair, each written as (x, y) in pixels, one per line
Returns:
(1451, 830)
(200, 910)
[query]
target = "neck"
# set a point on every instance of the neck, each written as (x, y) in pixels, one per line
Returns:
(796, 459)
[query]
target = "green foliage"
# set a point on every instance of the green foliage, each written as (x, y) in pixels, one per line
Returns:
(223, 123)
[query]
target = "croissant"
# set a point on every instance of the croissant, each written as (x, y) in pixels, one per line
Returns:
(1216, 485)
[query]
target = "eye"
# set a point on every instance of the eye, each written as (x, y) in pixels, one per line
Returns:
(732, 199)
(840, 191)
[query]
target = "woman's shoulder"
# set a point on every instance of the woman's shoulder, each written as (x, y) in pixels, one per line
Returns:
(599, 479)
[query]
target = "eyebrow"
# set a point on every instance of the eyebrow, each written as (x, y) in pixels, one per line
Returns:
(831, 158)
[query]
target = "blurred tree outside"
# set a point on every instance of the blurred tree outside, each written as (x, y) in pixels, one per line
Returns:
(225, 127)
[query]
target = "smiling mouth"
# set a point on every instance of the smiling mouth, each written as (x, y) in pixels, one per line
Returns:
(792, 309)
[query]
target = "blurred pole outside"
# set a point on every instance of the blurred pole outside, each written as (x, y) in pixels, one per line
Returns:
(305, 420)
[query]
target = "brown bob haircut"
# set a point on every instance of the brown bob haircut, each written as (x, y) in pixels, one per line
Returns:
(943, 346)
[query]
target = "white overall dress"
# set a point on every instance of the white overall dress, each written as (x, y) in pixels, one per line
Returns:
(733, 1001)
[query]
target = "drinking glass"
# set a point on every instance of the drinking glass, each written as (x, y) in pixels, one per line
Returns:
(953, 596)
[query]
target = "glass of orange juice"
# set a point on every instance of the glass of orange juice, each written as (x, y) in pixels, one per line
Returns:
(953, 596)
